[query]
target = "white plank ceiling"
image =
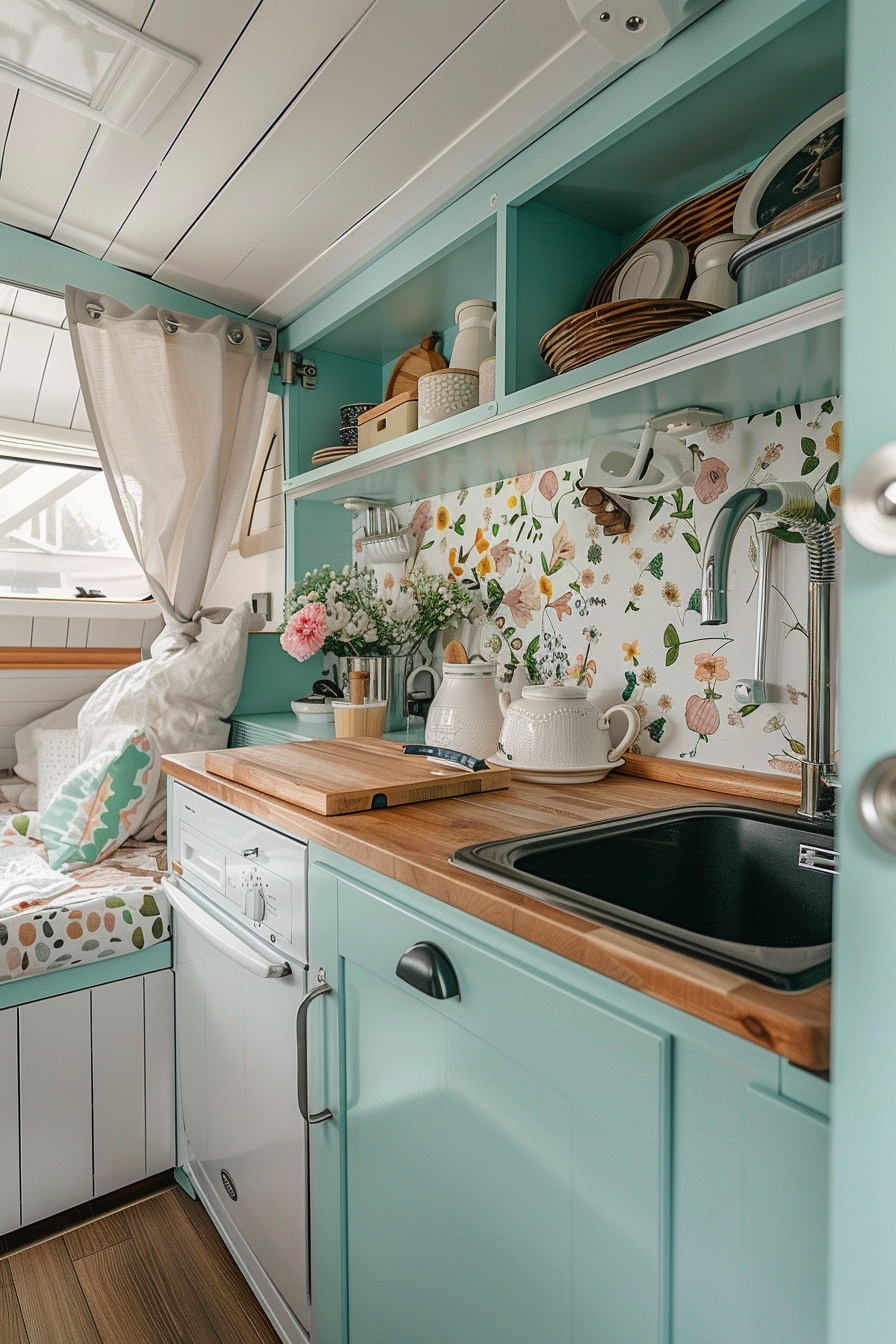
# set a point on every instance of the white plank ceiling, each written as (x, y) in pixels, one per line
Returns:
(38, 379)
(309, 137)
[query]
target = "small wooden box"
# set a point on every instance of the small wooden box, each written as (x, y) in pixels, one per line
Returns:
(388, 421)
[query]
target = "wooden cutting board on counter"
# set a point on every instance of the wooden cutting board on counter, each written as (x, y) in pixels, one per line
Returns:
(354, 775)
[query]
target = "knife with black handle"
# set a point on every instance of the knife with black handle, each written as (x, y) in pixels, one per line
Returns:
(458, 759)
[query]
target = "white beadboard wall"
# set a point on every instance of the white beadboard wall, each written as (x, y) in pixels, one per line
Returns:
(26, 694)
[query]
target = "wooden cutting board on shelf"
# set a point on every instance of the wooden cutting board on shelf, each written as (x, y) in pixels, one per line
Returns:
(412, 365)
(354, 775)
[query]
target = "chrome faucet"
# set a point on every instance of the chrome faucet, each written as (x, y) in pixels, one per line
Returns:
(794, 503)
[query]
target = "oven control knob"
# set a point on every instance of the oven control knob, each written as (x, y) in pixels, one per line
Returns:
(255, 904)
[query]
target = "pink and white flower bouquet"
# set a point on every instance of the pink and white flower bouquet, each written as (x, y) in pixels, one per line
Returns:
(345, 615)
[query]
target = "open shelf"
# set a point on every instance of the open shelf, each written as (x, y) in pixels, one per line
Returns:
(355, 357)
(774, 351)
(565, 234)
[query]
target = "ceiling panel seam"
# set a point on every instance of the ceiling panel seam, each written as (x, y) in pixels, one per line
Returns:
(40, 386)
(12, 113)
(372, 131)
(74, 182)
(263, 137)
(219, 68)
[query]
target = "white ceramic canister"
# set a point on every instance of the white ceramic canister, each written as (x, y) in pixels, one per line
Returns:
(475, 339)
(446, 392)
(466, 714)
(713, 283)
(487, 369)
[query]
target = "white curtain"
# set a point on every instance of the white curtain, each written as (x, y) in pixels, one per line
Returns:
(175, 403)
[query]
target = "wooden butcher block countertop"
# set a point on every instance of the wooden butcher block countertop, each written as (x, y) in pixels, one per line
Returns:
(413, 845)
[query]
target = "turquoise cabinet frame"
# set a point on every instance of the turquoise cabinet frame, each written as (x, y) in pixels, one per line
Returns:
(863, 1285)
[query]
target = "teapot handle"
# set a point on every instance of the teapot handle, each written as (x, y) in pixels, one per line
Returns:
(492, 326)
(634, 728)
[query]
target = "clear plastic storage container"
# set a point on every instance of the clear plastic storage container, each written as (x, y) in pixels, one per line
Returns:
(786, 255)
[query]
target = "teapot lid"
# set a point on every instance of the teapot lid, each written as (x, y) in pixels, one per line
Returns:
(554, 692)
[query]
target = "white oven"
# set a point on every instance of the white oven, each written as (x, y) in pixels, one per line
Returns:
(240, 961)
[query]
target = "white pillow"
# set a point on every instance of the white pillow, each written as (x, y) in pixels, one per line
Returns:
(57, 756)
(26, 738)
(185, 695)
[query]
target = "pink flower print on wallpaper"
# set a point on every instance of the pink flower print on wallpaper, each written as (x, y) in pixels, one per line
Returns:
(712, 481)
(523, 601)
(561, 599)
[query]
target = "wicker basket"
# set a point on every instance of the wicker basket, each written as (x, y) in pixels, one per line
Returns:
(609, 327)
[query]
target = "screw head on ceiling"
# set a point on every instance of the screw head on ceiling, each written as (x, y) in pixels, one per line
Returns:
(634, 23)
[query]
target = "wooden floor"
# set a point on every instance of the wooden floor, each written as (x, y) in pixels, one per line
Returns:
(155, 1272)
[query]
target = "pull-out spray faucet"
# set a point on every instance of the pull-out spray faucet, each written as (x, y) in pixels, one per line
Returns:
(794, 503)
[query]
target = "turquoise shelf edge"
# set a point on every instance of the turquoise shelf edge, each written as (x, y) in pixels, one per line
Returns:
(48, 986)
(776, 350)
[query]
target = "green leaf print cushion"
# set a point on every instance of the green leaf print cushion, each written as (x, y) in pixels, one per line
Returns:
(103, 801)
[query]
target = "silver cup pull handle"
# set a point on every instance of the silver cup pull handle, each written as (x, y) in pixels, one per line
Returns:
(302, 1057)
(869, 505)
(877, 803)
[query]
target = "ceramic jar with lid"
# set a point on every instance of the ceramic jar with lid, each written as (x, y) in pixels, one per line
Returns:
(475, 339)
(713, 283)
(466, 714)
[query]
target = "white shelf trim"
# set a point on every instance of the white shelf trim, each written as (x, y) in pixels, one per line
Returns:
(766, 331)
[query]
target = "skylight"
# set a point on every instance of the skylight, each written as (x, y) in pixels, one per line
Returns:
(74, 54)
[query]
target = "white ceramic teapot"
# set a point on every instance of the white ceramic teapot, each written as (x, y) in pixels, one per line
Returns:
(556, 732)
(466, 715)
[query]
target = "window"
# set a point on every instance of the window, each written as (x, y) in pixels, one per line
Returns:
(58, 526)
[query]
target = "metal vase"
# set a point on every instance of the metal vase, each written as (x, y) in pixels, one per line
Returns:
(388, 681)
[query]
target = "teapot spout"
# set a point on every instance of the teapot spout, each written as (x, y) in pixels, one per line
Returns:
(504, 700)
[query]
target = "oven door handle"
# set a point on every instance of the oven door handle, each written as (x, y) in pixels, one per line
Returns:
(220, 937)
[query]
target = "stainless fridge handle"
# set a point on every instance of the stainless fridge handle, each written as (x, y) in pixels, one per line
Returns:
(302, 1057)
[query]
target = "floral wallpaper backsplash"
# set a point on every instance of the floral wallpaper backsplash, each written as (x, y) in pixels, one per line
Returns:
(563, 601)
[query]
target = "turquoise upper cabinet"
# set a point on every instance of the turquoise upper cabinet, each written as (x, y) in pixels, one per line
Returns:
(506, 1158)
(863, 1285)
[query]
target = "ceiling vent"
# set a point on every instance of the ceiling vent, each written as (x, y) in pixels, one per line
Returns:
(76, 55)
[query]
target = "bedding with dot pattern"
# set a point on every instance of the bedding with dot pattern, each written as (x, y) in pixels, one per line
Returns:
(52, 920)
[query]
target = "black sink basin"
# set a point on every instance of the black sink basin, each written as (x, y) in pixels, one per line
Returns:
(744, 888)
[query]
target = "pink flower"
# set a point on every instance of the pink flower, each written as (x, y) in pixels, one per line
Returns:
(523, 601)
(785, 764)
(305, 631)
(563, 547)
(712, 481)
(524, 483)
(548, 485)
(422, 520)
(501, 555)
(561, 606)
(711, 667)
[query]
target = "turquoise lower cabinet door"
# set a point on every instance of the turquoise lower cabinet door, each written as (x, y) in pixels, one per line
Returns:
(506, 1149)
(786, 1221)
